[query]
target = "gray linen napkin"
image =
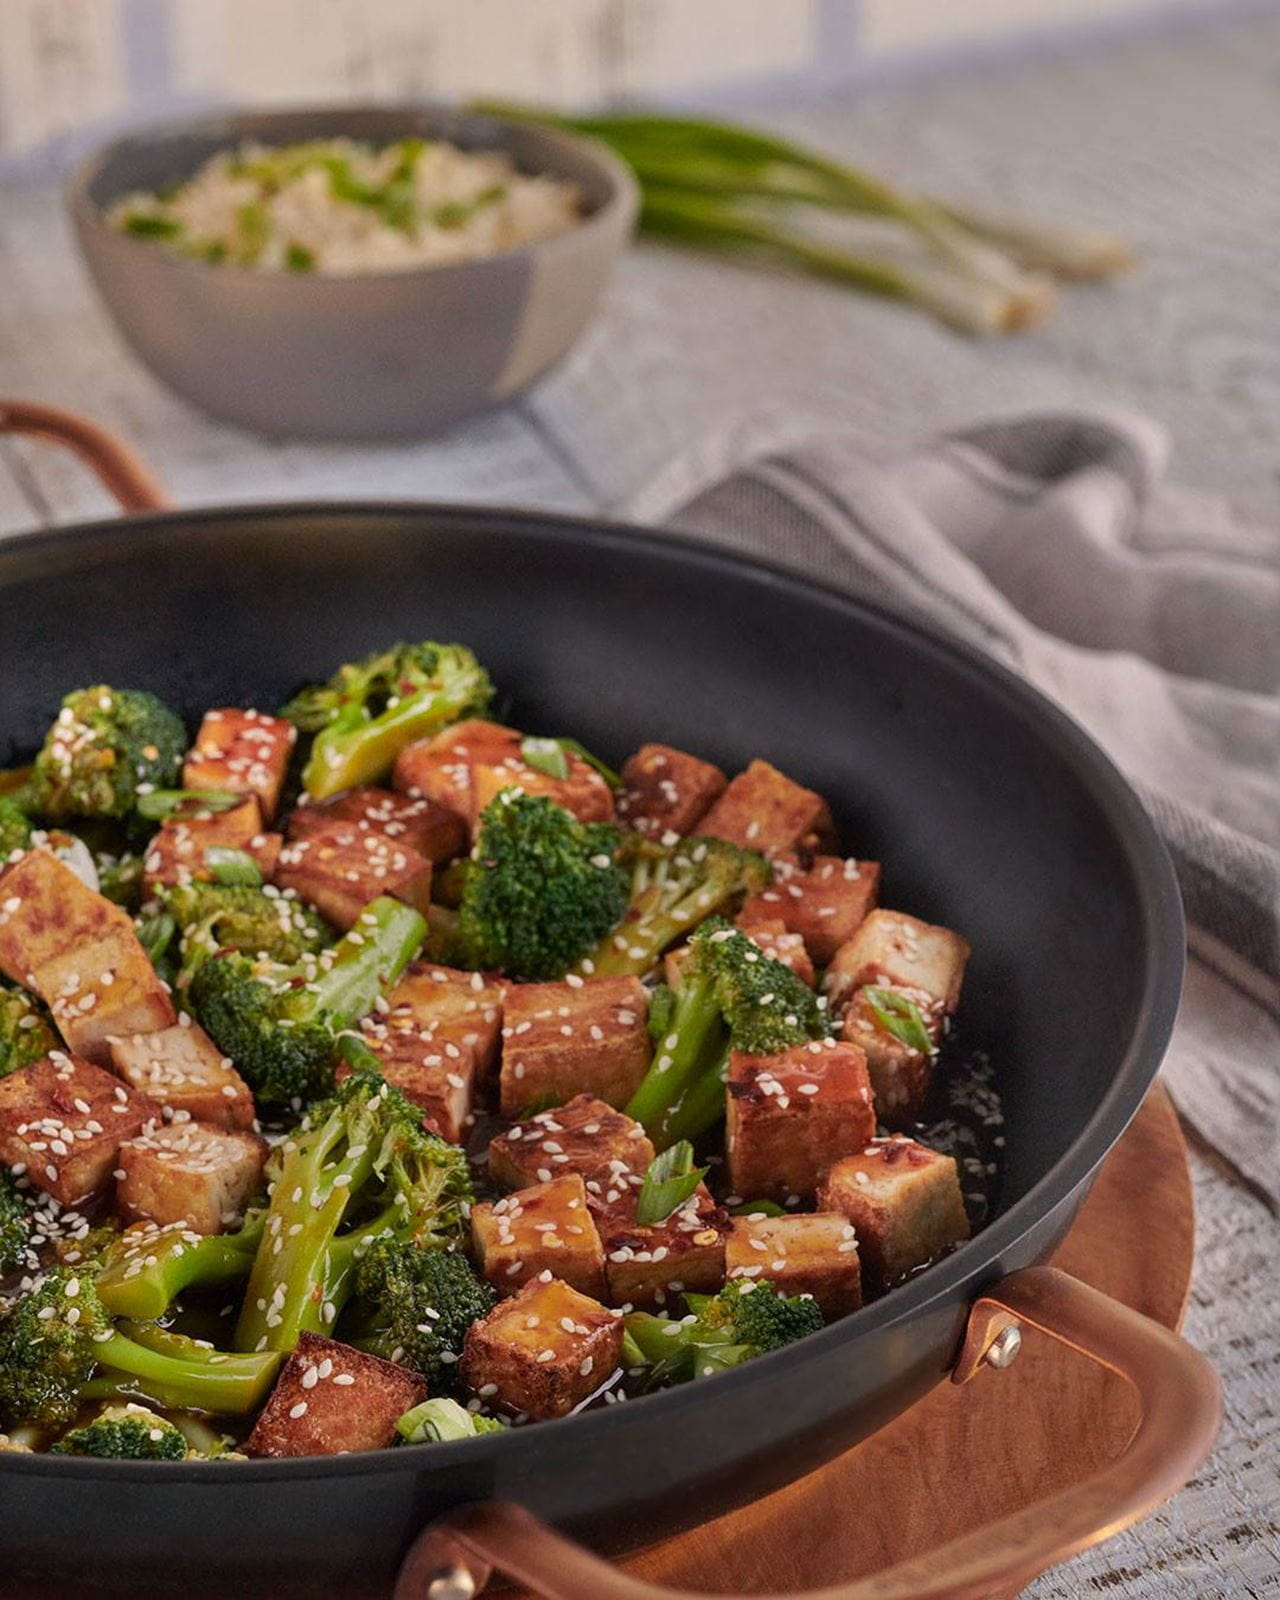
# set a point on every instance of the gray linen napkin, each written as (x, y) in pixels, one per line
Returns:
(1049, 541)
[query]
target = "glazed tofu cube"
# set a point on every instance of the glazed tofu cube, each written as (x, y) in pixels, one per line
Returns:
(825, 904)
(545, 1228)
(338, 869)
(462, 1009)
(901, 1075)
(176, 852)
(467, 765)
(332, 1400)
(904, 1201)
(666, 791)
(899, 952)
(244, 752)
(584, 1135)
(814, 1254)
(63, 1120)
(790, 1115)
(185, 1073)
(577, 1037)
(789, 948)
(647, 1265)
(433, 830)
(543, 1351)
(189, 1172)
(443, 1086)
(762, 809)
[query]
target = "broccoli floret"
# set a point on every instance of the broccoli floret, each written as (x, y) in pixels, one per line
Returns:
(142, 1271)
(441, 1420)
(58, 1336)
(120, 880)
(279, 1024)
(415, 1306)
(747, 1318)
(125, 1433)
(541, 888)
(673, 888)
(255, 921)
(106, 747)
(359, 1168)
(15, 1225)
(26, 1034)
(371, 709)
(730, 996)
(15, 827)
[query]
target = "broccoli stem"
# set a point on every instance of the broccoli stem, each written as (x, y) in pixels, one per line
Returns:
(145, 1278)
(386, 937)
(700, 1107)
(684, 1056)
(173, 1371)
(357, 749)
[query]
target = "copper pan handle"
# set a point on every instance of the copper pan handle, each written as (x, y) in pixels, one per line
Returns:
(122, 473)
(1181, 1404)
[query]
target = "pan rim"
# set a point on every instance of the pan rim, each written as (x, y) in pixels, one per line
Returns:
(974, 1264)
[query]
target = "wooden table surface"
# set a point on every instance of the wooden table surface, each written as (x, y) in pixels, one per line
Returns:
(1175, 143)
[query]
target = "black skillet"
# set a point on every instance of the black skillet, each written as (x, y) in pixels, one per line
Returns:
(993, 813)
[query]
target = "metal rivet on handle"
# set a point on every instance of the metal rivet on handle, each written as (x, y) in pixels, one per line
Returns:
(1000, 1354)
(455, 1584)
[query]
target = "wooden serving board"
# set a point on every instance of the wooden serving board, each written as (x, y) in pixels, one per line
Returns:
(963, 1456)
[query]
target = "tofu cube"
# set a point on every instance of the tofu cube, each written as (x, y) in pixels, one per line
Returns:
(789, 948)
(189, 1172)
(244, 752)
(901, 1075)
(814, 1254)
(904, 1201)
(338, 869)
(185, 1073)
(790, 1115)
(762, 809)
(176, 851)
(467, 765)
(583, 1037)
(825, 904)
(648, 1265)
(79, 953)
(584, 1135)
(332, 1400)
(433, 830)
(545, 1228)
(899, 952)
(62, 1122)
(416, 1064)
(543, 1351)
(666, 791)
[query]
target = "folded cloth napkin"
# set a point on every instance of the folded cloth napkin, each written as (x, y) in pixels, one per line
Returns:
(1049, 541)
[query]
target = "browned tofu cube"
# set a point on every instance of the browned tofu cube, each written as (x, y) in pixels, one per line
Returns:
(904, 1201)
(79, 953)
(901, 1074)
(459, 1008)
(189, 1172)
(243, 752)
(825, 904)
(543, 1351)
(901, 952)
(584, 1135)
(176, 852)
(185, 1073)
(582, 1036)
(467, 765)
(331, 1400)
(666, 791)
(789, 948)
(815, 1254)
(647, 1265)
(338, 869)
(62, 1122)
(762, 809)
(790, 1115)
(545, 1228)
(433, 830)
(443, 1085)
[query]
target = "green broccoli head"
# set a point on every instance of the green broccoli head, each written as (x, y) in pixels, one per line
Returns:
(674, 887)
(750, 1312)
(767, 1008)
(26, 1033)
(15, 827)
(125, 1433)
(106, 747)
(260, 922)
(48, 1350)
(416, 1305)
(15, 1225)
(541, 888)
(371, 709)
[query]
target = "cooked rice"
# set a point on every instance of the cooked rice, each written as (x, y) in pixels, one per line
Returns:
(339, 207)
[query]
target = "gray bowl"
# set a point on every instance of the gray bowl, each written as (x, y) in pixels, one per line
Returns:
(387, 355)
